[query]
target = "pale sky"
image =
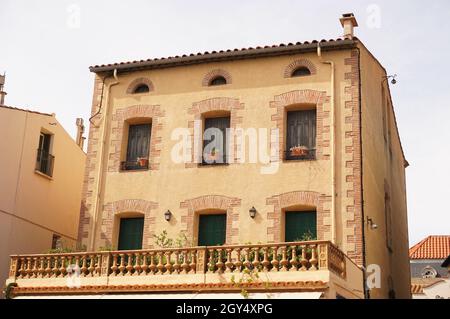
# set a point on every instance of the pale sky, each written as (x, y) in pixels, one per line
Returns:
(47, 46)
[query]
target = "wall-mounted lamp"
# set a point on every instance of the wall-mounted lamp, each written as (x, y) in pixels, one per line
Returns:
(168, 215)
(371, 223)
(252, 212)
(393, 81)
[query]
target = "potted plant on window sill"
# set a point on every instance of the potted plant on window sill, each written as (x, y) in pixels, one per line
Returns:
(142, 161)
(213, 155)
(299, 150)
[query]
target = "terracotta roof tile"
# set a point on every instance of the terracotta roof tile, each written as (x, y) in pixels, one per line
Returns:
(432, 247)
(24, 110)
(212, 54)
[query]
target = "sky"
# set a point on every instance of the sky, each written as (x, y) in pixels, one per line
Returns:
(47, 46)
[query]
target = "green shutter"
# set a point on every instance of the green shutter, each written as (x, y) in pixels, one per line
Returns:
(130, 234)
(300, 224)
(211, 230)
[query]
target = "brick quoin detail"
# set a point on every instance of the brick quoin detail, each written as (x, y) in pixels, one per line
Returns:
(215, 73)
(307, 97)
(119, 118)
(135, 83)
(283, 201)
(297, 64)
(353, 213)
(202, 203)
(129, 206)
(89, 172)
(196, 111)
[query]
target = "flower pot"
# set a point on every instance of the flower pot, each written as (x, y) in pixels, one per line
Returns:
(299, 152)
(142, 162)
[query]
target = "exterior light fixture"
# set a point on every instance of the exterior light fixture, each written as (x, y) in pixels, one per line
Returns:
(371, 224)
(252, 212)
(393, 81)
(168, 215)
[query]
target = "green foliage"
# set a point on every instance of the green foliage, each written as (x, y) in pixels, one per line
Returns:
(164, 241)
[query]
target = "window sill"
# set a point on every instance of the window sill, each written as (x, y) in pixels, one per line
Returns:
(133, 170)
(43, 175)
(213, 165)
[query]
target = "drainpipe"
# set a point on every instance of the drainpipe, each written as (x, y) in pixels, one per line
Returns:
(333, 144)
(103, 151)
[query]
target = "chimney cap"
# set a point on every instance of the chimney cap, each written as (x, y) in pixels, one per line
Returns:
(349, 17)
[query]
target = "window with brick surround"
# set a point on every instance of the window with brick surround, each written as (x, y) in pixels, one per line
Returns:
(138, 147)
(215, 142)
(301, 71)
(300, 135)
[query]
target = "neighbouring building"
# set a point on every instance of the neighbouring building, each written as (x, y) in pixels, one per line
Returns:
(41, 169)
(312, 195)
(429, 260)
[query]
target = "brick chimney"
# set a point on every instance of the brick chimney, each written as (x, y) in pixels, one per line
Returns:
(2, 92)
(80, 131)
(348, 22)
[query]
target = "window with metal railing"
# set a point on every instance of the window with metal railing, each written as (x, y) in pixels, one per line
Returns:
(215, 141)
(300, 135)
(138, 148)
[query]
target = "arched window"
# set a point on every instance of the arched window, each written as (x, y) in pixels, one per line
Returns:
(142, 88)
(301, 71)
(218, 80)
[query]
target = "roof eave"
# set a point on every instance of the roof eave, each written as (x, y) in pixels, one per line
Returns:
(225, 56)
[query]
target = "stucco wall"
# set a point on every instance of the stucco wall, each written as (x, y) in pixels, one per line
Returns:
(383, 174)
(32, 206)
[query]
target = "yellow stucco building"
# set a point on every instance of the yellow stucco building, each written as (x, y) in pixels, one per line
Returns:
(313, 194)
(40, 187)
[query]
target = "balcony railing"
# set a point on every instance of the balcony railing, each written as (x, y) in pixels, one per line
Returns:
(308, 155)
(44, 162)
(283, 257)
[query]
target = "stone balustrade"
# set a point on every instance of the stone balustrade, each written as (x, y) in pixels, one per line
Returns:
(280, 257)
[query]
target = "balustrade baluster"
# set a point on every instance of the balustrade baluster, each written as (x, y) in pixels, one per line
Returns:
(293, 260)
(48, 268)
(144, 266)
(219, 264)
(266, 262)
(129, 266)
(122, 264)
(238, 263)
(304, 260)
(247, 262)
(84, 268)
(22, 269)
(137, 264)
(177, 265)
(90, 270)
(256, 261)
(168, 265)
(160, 265)
(313, 260)
(284, 262)
(55, 267)
(62, 268)
(185, 265)
(193, 264)
(211, 262)
(152, 263)
(114, 266)
(98, 266)
(41, 267)
(34, 270)
(229, 262)
(274, 261)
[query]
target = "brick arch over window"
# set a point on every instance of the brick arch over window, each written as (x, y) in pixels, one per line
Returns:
(121, 115)
(129, 206)
(224, 203)
(196, 111)
(137, 82)
(322, 103)
(297, 64)
(215, 73)
(301, 198)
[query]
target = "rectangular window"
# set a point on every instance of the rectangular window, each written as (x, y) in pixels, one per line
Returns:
(131, 233)
(300, 226)
(301, 135)
(212, 230)
(56, 242)
(138, 147)
(215, 141)
(44, 160)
